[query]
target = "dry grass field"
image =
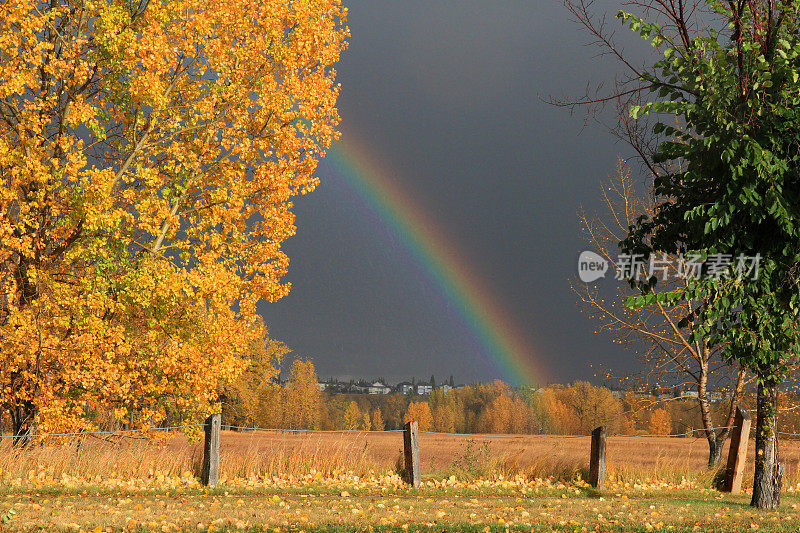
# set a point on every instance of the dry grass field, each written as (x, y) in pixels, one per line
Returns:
(245, 454)
(627, 457)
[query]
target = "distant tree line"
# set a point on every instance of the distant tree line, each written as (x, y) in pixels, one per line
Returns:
(494, 407)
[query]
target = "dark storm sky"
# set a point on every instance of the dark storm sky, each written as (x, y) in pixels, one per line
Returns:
(448, 96)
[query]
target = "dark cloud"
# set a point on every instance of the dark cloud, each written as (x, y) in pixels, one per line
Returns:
(448, 96)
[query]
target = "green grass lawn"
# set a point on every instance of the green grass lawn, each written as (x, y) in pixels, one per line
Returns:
(555, 507)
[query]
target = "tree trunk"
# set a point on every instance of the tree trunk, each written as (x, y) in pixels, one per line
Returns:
(22, 423)
(720, 438)
(769, 473)
(715, 441)
(714, 451)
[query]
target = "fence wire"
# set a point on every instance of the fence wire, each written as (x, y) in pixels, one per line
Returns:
(108, 432)
(283, 430)
(497, 436)
(542, 436)
(366, 432)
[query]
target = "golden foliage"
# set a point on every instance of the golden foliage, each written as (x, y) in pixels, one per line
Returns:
(580, 407)
(509, 414)
(149, 153)
(377, 423)
(421, 412)
(295, 405)
(353, 417)
(302, 397)
(366, 422)
(447, 411)
(270, 407)
(660, 421)
(241, 399)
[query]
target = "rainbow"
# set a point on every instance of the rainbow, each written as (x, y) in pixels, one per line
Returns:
(502, 344)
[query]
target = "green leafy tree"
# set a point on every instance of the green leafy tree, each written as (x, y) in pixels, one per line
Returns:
(728, 190)
(718, 132)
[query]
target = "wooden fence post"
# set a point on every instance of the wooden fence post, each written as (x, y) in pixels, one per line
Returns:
(738, 452)
(597, 464)
(210, 473)
(411, 453)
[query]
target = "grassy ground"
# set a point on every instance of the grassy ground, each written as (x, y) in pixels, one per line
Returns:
(382, 503)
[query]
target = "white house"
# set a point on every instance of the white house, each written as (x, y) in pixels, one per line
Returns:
(423, 389)
(379, 388)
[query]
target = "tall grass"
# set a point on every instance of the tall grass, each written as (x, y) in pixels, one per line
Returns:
(568, 467)
(126, 459)
(311, 456)
(265, 455)
(176, 457)
(644, 462)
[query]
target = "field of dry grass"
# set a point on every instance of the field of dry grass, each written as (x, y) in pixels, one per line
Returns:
(246, 454)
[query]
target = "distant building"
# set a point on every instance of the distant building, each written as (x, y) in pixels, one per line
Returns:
(446, 388)
(358, 388)
(404, 387)
(379, 388)
(330, 385)
(423, 389)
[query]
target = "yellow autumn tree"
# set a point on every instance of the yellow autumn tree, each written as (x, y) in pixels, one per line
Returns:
(377, 422)
(393, 410)
(366, 421)
(353, 418)
(241, 398)
(149, 153)
(507, 414)
(446, 411)
(660, 421)
(269, 411)
(421, 412)
(580, 407)
(301, 397)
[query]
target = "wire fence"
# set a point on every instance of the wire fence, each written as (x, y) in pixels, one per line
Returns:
(285, 430)
(689, 433)
(550, 436)
(106, 432)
